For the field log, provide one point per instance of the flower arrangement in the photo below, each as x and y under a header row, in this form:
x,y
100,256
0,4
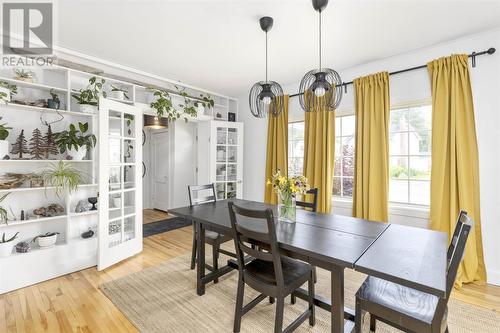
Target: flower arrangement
x,y
287,188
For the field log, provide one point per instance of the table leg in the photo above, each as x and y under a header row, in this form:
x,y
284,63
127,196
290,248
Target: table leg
x,y
200,260
337,294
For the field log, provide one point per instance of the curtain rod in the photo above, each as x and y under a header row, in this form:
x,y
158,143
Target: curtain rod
x,y
473,55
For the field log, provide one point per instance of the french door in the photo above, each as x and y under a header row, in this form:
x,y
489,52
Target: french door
x,y
120,182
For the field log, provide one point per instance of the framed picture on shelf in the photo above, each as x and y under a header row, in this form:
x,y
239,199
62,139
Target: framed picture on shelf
x,y
231,116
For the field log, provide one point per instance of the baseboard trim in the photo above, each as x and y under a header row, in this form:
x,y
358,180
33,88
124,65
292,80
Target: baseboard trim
x,y
493,277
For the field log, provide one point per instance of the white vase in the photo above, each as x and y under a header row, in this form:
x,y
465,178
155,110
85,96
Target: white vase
x,y
46,242
79,154
7,92
87,108
117,95
6,249
4,148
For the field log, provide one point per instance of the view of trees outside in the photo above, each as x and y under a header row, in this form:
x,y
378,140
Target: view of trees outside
x,y
343,172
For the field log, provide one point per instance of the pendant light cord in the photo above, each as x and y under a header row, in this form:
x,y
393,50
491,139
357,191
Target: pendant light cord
x,y
266,56
320,40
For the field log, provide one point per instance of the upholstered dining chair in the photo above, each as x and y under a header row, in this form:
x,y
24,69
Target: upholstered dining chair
x,y
213,238
270,273
408,309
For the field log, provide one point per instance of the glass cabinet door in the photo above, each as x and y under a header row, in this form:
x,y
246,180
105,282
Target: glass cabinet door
x,y
228,164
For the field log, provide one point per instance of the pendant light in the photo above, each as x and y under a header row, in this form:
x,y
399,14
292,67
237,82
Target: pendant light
x,y
321,82
264,97
155,122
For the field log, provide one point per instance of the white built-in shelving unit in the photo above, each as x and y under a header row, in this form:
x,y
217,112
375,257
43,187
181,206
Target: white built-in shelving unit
x,y
71,252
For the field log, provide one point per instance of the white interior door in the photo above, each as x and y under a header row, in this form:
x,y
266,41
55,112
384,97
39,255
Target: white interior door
x,y
120,182
160,170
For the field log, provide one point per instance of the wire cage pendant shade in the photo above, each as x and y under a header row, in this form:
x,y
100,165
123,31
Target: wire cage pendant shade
x,y
321,88
265,97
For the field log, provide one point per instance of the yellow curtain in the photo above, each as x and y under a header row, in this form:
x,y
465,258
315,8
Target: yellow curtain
x,y
371,179
277,149
319,149
455,164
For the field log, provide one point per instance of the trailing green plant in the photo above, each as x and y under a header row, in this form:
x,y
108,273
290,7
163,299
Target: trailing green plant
x,y
163,105
4,130
11,87
206,101
115,88
91,94
54,96
75,138
188,106
62,176
4,240
47,234
3,211
22,74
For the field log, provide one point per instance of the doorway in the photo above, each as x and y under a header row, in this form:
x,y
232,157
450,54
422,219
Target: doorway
x,y
160,170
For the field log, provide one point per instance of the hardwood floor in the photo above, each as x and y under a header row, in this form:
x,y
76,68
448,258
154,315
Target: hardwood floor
x,y
153,215
73,303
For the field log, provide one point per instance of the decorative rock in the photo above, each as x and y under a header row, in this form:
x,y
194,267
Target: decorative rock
x,y
22,247
54,210
88,234
40,211
82,206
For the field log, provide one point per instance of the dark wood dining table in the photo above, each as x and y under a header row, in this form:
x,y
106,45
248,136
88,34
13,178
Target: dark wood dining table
x,y
412,257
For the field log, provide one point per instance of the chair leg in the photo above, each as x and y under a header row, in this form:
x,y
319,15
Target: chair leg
x,y
239,304
271,300
293,299
373,323
215,258
278,321
446,329
358,320
193,251
312,317
315,274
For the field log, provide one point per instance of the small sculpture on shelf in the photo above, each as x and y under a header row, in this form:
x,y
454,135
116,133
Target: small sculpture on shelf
x,y
49,145
20,146
22,74
49,211
23,247
82,206
35,180
36,145
93,201
88,234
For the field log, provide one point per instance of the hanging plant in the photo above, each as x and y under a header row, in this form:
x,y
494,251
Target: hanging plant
x,y
91,94
188,107
163,105
6,91
206,101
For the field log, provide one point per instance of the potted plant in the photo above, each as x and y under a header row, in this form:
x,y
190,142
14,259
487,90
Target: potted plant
x,y
4,144
24,75
163,105
206,103
187,107
88,98
287,188
6,91
118,93
6,245
46,240
62,176
54,102
75,141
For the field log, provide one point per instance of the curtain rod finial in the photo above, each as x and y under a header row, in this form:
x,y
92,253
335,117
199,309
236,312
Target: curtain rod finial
x,y
491,50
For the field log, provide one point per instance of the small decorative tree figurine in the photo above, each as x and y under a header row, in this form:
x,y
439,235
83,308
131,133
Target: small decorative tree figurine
x,y
37,146
49,145
20,146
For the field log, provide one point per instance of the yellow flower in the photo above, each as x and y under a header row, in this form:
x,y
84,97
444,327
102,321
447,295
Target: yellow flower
x,y
268,182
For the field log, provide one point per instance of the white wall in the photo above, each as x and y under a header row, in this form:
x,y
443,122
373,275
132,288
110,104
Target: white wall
x,y
407,87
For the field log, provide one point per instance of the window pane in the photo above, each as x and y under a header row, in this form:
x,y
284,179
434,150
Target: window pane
x,y
348,166
298,131
348,125
337,167
295,166
347,186
398,144
398,191
348,146
336,186
338,121
420,192
420,118
420,143
337,146
399,167
399,120
420,167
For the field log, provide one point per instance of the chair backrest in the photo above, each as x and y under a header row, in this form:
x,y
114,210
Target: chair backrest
x,y
313,206
196,199
259,228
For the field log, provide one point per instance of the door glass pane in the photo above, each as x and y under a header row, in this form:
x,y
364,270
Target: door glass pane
x,y
129,202
220,188
129,228
232,172
128,149
129,176
115,205
220,172
231,154
221,154
231,190
221,135
129,125
232,138
114,150
115,232
114,178
115,126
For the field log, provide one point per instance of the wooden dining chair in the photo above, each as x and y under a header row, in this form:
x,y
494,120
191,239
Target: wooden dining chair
x,y
269,273
213,238
312,205
408,309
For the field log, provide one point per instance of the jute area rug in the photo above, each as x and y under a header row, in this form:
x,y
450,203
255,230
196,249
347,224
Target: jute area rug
x,y
163,299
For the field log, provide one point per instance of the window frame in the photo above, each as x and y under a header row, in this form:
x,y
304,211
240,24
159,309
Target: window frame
x,y
289,157
341,176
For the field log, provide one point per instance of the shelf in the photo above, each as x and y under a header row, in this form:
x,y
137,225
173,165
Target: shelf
x,y
42,109
36,249
12,161
32,84
90,212
33,220
30,189
126,101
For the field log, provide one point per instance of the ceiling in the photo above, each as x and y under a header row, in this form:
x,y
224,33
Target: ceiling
x,y
218,45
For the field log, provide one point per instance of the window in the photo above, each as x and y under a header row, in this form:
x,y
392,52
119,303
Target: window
x,y
295,148
410,155
343,172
